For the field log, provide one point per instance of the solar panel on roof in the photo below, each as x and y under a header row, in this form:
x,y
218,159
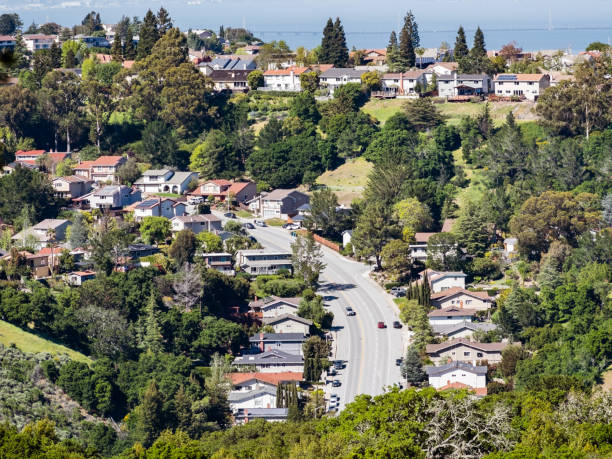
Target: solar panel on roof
x,y
148,203
506,77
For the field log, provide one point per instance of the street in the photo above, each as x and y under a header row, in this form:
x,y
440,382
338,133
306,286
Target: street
x,y
369,353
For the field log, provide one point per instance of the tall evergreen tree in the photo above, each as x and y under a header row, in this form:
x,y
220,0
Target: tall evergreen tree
x,y
152,336
407,56
327,43
461,49
392,51
412,368
129,50
164,21
413,29
117,49
150,419
148,35
479,49
341,54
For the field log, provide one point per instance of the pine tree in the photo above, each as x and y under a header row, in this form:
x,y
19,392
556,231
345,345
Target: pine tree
x,y
327,43
150,414
148,35
164,21
413,29
152,336
392,51
479,49
412,368
117,49
69,60
461,49
221,31
129,50
407,56
182,407
340,54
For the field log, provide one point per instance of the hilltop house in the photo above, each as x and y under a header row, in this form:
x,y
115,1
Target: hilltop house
x,y
443,280
165,181
290,343
458,375
463,84
336,77
457,296
233,80
280,203
254,380
112,197
71,186
288,323
196,223
104,168
220,189
221,262
37,158
34,42
263,397
83,169
272,361
465,350
404,83
274,306
77,278
528,85
450,316
284,79
48,231
262,261
159,207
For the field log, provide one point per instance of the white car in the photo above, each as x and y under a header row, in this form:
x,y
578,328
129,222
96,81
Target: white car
x,y
195,199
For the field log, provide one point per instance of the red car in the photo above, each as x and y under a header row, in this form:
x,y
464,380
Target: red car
x,y
381,325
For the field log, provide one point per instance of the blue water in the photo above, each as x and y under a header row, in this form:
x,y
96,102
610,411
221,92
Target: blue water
x,y
529,39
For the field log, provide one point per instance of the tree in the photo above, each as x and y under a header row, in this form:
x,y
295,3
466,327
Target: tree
x,y
472,230
128,172
324,216
372,80
159,144
183,247
309,81
396,257
152,336
315,358
412,368
412,216
375,228
210,242
150,418
606,204
311,307
99,106
304,107
26,188
461,49
340,50
91,23
255,79
392,52
148,35
164,21
443,252
188,287
478,49
409,41
129,50
307,259
79,232
155,229
423,114
117,48
215,157
69,60
9,23
510,52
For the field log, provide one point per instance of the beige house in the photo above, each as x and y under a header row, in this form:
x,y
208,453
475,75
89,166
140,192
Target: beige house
x,y
288,323
443,280
457,296
196,223
274,306
450,316
463,350
104,169
70,187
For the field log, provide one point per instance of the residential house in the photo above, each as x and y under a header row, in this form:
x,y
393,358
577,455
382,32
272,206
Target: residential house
x,y
375,56
458,375
53,255
290,343
450,316
404,83
557,77
263,397
34,42
37,263
464,350
104,168
528,85
112,197
243,191
443,280
336,77
48,231
249,381
77,278
441,69
37,158
284,79
280,203
457,296
91,41
221,262
196,223
139,250
463,329
274,306
10,167
7,42
347,236
272,361
464,84
220,189
288,323
242,416
165,181
418,249
71,186
83,169
262,261
510,246
233,80
159,207
231,62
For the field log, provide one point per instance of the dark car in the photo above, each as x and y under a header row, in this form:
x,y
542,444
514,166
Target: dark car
x,y
332,372
349,311
336,383
229,215
248,225
397,324
398,362
338,365
382,325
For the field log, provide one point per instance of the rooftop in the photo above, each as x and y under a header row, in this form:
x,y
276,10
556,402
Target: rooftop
x,y
270,378
475,326
486,347
269,300
288,71
107,161
455,290
456,365
271,337
336,72
452,312
270,357
279,194
282,317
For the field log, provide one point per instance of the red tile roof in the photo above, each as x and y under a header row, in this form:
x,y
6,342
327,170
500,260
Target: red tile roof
x,y
47,251
457,385
524,76
29,153
83,273
83,165
270,378
287,71
423,237
71,178
220,182
237,187
107,161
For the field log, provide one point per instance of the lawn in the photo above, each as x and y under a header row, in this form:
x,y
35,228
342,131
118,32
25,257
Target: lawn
x,y
168,195
244,214
28,342
348,180
275,222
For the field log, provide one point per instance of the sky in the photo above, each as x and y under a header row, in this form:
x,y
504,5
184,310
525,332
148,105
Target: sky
x,y
358,16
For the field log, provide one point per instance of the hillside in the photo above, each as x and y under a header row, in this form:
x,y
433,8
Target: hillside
x,y
348,180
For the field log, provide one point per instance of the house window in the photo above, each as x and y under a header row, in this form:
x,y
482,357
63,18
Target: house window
x,y
516,83
453,353
531,83
463,375
468,301
466,354
453,376
479,354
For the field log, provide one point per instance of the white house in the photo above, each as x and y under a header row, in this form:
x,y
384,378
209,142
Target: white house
x,y
336,77
510,246
196,223
404,83
449,316
463,329
284,79
262,261
458,375
528,85
34,42
274,306
78,277
71,186
288,323
464,84
279,203
7,42
242,416
112,197
457,296
165,181
159,207
264,397
443,280
272,361
441,69
347,236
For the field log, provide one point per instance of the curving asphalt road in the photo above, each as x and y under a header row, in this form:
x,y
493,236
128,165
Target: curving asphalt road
x,y
369,353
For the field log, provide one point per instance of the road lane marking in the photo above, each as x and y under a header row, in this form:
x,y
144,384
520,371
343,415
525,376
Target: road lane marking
x,y
362,344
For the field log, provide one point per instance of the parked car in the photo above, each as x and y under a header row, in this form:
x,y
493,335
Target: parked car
x,y
397,324
398,362
349,311
382,325
291,226
259,223
229,215
248,225
332,372
195,199
398,291
336,383
334,397
338,365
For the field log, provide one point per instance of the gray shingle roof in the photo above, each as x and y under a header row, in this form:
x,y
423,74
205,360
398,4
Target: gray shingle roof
x,y
475,326
271,337
239,396
341,72
273,320
269,357
439,370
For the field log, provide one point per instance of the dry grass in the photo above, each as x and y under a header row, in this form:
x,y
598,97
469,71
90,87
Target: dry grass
x,y
348,180
28,342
